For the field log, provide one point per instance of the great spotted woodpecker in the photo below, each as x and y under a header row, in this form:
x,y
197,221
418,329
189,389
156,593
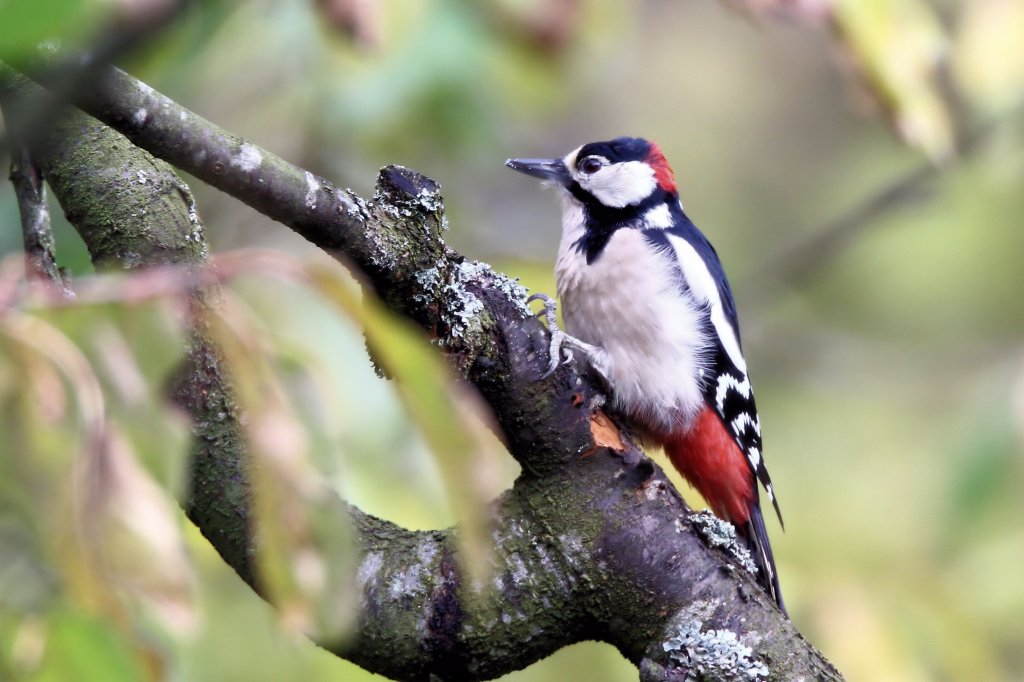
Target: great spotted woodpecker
x,y
645,299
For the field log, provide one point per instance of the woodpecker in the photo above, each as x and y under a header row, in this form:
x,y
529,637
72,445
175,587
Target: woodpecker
x,y
646,301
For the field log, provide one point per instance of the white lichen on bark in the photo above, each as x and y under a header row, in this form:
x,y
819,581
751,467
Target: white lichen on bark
x,y
713,655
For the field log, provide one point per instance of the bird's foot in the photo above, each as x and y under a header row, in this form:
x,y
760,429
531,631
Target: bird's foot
x,y
562,344
557,349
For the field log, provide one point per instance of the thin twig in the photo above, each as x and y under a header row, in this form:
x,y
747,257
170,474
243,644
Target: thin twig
x,y
40,250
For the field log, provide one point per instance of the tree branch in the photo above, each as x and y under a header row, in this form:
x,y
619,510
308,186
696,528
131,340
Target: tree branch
x,y
592,542
36,234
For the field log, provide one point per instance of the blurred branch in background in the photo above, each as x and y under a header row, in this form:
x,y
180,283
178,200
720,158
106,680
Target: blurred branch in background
x,y
794,265
898,51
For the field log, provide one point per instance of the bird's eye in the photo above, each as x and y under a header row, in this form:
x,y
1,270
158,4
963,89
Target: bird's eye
x,y
590,165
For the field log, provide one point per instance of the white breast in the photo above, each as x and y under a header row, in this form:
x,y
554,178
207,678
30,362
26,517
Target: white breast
x,y
628,303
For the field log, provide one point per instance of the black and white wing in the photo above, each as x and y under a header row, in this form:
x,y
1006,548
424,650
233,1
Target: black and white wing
x,y
726,386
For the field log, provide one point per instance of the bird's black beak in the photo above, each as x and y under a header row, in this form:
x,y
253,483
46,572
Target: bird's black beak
x,y
552,170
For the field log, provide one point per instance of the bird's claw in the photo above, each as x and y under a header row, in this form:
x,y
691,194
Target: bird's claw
x,y
550,307
557,348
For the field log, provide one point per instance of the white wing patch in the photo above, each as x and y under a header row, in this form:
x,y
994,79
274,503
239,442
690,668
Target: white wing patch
x,y
704,289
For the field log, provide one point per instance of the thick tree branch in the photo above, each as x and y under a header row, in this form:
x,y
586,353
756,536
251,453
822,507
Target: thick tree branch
x,y
591,543
94,179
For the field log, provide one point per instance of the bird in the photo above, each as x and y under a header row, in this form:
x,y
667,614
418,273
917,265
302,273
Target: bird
x,y
646,301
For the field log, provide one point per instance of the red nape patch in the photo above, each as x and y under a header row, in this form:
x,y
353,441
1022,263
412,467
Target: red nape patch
x,y
662,171
710,460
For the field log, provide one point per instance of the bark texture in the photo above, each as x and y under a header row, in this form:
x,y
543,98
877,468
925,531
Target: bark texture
x,y
592,541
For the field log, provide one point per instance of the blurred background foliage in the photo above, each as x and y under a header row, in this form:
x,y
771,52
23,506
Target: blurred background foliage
x,y
886,340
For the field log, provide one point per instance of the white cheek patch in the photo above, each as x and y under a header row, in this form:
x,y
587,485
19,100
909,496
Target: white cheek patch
x,y
620,184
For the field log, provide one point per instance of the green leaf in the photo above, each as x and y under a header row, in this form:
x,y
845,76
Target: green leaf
x,y
82,647
26,23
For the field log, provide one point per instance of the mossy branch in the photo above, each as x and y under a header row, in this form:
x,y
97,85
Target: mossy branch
x,y
592,541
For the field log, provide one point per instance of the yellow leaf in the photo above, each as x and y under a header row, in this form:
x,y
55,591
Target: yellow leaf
x,y
897,46
130,531
988,60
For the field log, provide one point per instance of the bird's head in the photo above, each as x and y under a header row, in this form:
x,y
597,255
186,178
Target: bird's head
x,y
626,171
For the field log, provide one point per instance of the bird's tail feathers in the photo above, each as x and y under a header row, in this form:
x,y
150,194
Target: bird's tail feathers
x,y
761,549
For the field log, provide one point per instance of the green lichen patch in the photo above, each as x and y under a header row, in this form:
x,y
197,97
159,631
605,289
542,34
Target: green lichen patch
x,y
483,275
428,281
462,310
457,288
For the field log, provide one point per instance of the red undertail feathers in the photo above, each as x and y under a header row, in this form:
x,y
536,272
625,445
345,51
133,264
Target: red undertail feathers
x,y
708,457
